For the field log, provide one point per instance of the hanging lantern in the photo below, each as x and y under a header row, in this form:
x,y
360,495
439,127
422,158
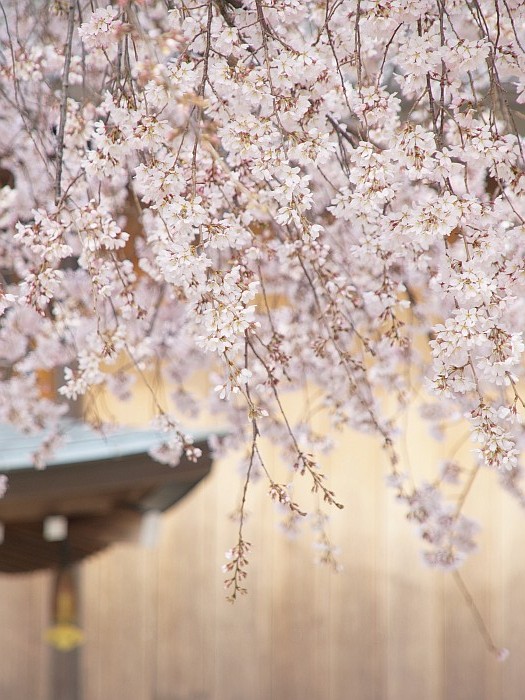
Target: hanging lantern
x,y
65,634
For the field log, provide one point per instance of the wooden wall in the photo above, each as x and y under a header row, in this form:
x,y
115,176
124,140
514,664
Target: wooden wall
x,y
158,627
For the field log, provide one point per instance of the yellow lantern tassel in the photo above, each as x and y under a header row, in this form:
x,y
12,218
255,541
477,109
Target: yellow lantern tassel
x,y
65,634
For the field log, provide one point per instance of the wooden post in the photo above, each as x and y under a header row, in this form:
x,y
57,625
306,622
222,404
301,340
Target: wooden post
x,y
65,675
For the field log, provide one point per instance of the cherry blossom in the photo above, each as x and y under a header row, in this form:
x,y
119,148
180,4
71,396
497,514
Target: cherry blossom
x,y
292,196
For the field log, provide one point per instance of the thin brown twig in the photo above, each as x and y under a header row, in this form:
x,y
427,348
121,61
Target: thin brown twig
x,y
63,99
478,619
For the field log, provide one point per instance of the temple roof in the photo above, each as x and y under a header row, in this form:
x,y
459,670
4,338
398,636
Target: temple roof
x,y
103,485
81,443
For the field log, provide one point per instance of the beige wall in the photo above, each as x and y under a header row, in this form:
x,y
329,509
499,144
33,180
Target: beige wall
x,y
386,628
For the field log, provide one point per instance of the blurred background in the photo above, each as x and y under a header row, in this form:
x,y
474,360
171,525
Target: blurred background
x,y
156,626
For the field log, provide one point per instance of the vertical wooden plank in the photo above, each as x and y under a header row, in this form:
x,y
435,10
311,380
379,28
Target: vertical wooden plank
x,y
186,600
24,615
413,601
412,616
358,631
494,580
464,649
288,591
470,667
297,624
120,628
242,651
512,671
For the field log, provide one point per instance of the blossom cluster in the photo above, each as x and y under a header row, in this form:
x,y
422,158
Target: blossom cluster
x,y
289,195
